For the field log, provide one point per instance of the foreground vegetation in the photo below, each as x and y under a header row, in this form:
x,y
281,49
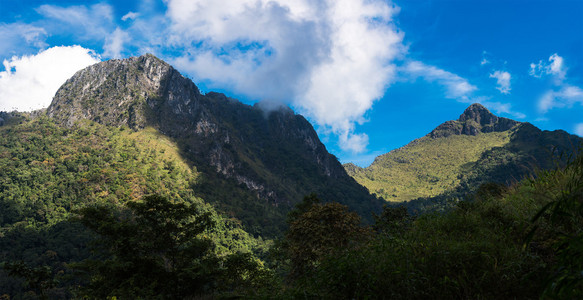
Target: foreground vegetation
x,y
136,229
520,242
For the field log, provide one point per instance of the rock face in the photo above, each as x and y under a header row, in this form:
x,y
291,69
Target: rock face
x,y
123,92
476,119
276,156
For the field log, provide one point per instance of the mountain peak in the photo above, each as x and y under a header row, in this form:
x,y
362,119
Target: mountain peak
x,y
478,113
474,120
129,91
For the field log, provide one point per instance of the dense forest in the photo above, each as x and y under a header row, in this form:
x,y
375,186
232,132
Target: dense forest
x,y
100,212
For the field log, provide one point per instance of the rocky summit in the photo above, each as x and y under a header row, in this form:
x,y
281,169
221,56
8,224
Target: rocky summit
x,y
476,119
251,156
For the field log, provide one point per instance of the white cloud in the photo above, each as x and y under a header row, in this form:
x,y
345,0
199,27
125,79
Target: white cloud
x,y
502,80
130,16
484,61
456,87
18,37
562,94
114,44
30,82
94,22
555,67
329,59
566,96
355,143
506,108
579,129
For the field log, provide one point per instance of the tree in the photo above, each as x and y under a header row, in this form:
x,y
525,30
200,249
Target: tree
x,y
321,230
154,249
392,220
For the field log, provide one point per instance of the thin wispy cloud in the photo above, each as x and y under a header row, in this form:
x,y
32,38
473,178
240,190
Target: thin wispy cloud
x,y
456,87
130,16
562,94
86,22
579,129
565,96
114,43
19,37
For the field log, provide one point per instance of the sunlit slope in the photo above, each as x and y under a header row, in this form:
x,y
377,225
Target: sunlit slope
x,y
459,155
426,167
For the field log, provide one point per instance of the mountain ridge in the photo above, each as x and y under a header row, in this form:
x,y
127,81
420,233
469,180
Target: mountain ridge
x,y
474,120
275,155
457,156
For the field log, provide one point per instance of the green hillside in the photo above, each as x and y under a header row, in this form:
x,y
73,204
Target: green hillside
x,y
254,163
519,242
48,172
458,156
426,167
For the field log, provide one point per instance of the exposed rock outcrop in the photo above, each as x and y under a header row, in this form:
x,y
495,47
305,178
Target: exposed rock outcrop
x,y
268,149
476,119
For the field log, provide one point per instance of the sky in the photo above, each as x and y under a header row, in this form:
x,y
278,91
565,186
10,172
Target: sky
x,y
370,75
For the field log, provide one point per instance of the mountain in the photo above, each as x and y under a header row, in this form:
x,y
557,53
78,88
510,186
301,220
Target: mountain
x,y
255,163
459,155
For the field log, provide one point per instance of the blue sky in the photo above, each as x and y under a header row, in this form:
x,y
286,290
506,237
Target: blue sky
x,y
371,75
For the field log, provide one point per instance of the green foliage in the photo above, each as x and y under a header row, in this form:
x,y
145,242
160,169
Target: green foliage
x,y
46,171
159,249
475,251
426,167
560,225
318,230
433,174
393,220
39,279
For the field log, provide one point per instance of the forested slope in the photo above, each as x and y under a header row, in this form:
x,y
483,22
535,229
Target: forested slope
x,y
47,172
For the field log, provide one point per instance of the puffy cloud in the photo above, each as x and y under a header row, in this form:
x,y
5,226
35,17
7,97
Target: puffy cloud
x,y
355,143
30,82
579,129
456,87
329,59
555,67
567,96
502,80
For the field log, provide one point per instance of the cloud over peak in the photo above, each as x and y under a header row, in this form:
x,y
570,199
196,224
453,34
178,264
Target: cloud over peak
x,y
329,59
